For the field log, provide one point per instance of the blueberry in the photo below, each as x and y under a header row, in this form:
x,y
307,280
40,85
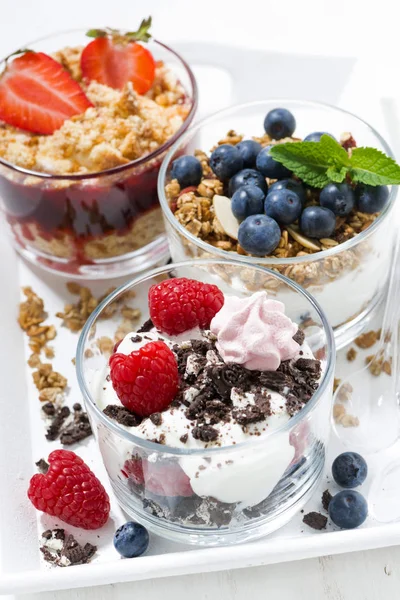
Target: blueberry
x,y
348,509
246,201
349,470
284,206
225,161
279,123
371,199
187,170
259,235
270,167
131,539
290,184
248,151
247,177
338,197
317,222
316,136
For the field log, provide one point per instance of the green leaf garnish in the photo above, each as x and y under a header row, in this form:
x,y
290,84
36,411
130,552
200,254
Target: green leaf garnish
x,y
141,35
318,163
373,167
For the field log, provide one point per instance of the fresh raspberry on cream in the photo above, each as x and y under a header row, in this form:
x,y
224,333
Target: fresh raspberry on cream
x,y
254,332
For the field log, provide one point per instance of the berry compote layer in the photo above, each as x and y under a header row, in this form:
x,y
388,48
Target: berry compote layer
x,y
95,145
207,373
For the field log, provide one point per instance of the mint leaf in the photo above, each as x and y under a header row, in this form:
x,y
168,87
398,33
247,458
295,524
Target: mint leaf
x,y
310,161
337,174
142,34
373,167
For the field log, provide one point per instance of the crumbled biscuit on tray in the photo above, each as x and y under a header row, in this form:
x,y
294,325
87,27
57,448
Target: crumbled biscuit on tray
x,y
351,354
45,378
63,550
75,315
367,339
31,317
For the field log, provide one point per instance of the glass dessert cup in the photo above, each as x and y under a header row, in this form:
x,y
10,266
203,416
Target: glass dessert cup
x,y
91,225
243,491
348,279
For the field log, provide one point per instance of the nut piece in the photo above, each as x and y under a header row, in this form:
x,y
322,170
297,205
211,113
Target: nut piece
x,y
225,216
351,354
367,339
302,239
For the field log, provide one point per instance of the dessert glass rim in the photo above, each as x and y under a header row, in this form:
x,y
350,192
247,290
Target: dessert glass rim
x,y
153,446
270,260
133,163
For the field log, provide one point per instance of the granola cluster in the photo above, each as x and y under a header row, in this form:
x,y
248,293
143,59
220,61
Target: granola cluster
x,y
121,126
194,210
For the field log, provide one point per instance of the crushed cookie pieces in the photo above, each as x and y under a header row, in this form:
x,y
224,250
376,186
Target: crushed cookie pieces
x,y
351,354
325,500
367,339
315,520
63,550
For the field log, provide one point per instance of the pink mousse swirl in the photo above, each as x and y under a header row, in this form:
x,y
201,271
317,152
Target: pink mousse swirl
x,y
254,332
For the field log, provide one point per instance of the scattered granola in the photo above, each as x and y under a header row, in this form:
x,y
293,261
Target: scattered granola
x,y
377,363
341,417
351,354
345,392
336,383
105,344
45,378
31,317
367,339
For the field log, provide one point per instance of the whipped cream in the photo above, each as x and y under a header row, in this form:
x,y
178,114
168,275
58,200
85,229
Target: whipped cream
x,y
246,476
254,332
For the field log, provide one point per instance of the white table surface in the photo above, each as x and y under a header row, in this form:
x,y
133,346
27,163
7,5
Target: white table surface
x,y
359,29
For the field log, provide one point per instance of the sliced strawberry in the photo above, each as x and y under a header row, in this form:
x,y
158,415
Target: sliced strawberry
x,y
37,94
115,63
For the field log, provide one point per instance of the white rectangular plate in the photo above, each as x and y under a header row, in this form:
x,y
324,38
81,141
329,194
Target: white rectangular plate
x,y
22,439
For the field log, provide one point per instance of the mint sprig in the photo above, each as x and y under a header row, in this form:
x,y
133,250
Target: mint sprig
x,y
319,163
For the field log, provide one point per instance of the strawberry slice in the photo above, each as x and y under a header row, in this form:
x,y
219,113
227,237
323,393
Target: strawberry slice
x,y
37,94
114,59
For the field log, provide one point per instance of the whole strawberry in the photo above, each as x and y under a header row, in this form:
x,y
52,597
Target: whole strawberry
x,y
70,491
146,380
179,304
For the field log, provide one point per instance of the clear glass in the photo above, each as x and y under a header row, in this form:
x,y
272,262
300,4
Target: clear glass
x,y
94,225
347,280
253,488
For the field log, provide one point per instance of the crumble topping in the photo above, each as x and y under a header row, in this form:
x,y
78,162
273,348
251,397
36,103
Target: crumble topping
x,y
121,126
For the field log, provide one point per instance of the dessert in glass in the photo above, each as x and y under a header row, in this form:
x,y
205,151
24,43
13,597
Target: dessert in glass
x,y
211,206
212,418
84,126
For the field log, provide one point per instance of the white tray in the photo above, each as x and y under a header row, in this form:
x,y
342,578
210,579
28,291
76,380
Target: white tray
x,y
22,439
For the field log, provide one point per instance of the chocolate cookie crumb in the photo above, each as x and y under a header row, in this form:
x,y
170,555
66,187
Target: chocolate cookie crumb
x,y
205,433
78,430
122,415
156,418
53,431
308,364
42,466
184,438
299,337
135,339
147,326
63,550
315,520
326,498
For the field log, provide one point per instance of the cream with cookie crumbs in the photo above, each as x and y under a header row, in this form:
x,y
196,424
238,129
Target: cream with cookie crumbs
x,y
243,375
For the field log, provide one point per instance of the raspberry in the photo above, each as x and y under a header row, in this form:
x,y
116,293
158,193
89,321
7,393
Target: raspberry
x,y
133,470
166,479
177,305
70,491
146,380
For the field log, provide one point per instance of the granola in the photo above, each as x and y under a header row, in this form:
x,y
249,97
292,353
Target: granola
x,y
30,318
120,127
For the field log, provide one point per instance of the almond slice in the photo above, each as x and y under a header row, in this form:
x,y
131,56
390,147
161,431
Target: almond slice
x,y
224,214
302,239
